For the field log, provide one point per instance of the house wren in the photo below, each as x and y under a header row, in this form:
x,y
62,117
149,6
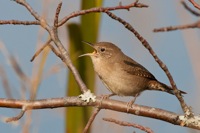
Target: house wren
x,y
122,75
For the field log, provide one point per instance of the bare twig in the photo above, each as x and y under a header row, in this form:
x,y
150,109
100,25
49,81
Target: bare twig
x,y
57,14
122,123
16,118
195,4
100,9
92,117
114,105
189,9
47,44
180,27
157,59
41,49
17,22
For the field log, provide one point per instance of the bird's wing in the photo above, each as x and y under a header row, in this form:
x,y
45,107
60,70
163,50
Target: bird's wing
x,y
135,68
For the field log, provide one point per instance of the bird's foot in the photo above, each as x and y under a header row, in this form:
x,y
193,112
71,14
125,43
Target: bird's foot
x,y
129,104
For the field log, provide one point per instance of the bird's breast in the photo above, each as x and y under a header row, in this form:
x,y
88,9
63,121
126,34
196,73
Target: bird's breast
x,y
117,80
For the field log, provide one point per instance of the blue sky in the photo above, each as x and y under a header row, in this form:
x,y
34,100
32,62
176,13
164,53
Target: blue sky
x,y
171,47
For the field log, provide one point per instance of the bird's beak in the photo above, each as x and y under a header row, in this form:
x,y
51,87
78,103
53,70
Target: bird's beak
x,y
89,54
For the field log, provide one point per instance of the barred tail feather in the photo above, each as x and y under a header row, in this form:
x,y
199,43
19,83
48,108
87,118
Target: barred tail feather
x,y
156,85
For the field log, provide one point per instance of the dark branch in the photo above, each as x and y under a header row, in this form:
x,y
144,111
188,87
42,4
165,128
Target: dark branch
x,y
17,22
57,14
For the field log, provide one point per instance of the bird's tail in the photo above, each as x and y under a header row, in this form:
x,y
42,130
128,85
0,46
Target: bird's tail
x,y
156,85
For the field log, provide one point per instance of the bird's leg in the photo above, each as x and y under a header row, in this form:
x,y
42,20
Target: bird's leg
x,y
129,104
105,97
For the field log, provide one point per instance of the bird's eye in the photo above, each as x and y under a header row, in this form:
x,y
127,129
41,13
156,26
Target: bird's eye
x,y
102,49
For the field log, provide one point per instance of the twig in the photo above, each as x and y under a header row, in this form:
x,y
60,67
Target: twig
x,y
101,9
41,49
180,27
189,9
122,123
195,4
17,22
161,64
57,14
92,117
16,118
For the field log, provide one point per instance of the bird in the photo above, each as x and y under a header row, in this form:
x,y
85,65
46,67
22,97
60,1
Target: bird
x,y
122,75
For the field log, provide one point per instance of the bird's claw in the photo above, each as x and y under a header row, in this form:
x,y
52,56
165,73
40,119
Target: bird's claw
x,y
129,104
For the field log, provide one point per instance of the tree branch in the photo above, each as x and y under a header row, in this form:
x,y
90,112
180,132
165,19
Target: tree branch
x,y
115,105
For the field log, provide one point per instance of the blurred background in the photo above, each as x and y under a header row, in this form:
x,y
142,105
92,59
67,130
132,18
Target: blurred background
x,y
48,77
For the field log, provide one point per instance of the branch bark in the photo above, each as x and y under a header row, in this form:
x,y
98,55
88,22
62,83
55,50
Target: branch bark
x,y
115,105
